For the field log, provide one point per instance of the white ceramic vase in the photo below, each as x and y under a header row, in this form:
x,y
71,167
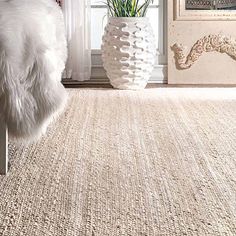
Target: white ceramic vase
x,y
128,52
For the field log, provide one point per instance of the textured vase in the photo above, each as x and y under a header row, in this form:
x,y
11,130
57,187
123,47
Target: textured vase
x,y
128,52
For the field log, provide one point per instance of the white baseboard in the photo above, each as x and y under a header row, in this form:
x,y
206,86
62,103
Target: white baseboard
x,y
159,76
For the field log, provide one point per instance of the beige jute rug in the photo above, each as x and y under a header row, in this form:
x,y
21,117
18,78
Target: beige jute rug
x,y
159,162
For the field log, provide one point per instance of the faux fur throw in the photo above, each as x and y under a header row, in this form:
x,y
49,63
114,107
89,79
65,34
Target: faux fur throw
x,y
32,58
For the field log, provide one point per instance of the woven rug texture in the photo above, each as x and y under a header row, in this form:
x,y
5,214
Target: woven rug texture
x,y
158,162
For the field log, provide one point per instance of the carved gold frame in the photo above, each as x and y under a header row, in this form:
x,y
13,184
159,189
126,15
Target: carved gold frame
x,y
181,14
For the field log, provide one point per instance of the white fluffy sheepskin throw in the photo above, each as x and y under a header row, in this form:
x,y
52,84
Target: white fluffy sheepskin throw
x,y
32,57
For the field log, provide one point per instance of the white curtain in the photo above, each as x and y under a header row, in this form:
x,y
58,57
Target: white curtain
x,y
77,21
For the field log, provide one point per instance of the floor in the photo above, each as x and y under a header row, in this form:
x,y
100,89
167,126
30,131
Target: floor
x,y
158,162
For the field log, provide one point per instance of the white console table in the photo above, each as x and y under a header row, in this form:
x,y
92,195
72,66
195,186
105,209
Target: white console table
x,y
3,149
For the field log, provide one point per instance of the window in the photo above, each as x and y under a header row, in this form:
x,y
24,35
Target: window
x,y
158,18
99,20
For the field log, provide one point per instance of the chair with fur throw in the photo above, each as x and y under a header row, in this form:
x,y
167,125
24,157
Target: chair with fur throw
x,y
32,57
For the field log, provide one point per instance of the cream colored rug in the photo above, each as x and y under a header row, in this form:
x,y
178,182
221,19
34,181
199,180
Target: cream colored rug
x,y
122,163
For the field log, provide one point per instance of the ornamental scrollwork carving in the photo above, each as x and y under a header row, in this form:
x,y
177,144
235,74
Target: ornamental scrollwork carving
x,y
210,43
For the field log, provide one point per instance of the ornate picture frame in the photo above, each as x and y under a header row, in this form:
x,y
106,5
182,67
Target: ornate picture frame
x,y
182,14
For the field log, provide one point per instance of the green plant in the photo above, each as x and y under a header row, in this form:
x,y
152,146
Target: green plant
x,y
128,8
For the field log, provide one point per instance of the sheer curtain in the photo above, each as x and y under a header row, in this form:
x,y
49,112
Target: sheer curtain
x,y
77,21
